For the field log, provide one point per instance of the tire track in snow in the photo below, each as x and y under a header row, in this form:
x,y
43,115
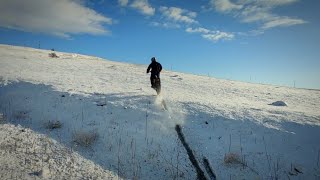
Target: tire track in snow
x,y
200,173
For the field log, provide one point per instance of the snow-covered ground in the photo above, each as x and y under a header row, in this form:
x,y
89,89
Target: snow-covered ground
x,y
133,133
26,155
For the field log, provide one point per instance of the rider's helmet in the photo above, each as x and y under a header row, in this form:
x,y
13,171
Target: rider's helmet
x,y
153,59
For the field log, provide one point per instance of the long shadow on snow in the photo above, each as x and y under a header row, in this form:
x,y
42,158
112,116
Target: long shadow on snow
x,y
130,141
273,153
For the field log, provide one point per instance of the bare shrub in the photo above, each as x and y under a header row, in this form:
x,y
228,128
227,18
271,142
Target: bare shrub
x,y
232,158
53,55
85,139
235,159
53,125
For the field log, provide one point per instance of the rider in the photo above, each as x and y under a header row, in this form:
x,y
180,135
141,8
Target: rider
x,y
155,71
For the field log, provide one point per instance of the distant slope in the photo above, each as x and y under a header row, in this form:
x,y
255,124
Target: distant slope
x,y
82,74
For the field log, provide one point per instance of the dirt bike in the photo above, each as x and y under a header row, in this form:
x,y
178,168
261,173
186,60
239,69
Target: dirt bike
x,y
157,85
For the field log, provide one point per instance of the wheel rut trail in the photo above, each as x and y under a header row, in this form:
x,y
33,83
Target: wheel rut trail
x,y
208,168
192,158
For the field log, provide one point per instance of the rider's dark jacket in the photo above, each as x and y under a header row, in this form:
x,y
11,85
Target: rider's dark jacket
x,y
155,68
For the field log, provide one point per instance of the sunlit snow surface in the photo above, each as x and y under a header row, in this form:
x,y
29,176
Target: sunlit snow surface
x,y
136,135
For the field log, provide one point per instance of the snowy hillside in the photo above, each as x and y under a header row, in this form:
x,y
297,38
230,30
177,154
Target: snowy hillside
x,y
105,114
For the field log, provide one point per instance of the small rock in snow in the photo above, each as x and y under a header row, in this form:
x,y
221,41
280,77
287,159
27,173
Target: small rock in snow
x,y
278,103
101,103
298,170
36,173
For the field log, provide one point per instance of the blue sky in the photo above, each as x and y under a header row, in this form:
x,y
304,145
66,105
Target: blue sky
x,y
264,41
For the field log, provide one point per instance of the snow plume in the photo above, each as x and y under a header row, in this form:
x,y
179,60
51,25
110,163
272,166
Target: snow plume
x,y
60,18
252,11
173,116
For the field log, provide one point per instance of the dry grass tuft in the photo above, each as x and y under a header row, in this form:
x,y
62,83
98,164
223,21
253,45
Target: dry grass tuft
x,y
85,139
53,55
232,158
53,125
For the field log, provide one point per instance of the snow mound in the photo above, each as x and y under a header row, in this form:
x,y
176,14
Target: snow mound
x,y
28,155
278,103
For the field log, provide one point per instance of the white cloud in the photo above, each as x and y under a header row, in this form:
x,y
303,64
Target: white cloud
x,y
224,5
198,30
192,14
211,35
255,14
249,11
178,14
217,35
167,25
60,18
284,21
144,7
123,2
270,3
